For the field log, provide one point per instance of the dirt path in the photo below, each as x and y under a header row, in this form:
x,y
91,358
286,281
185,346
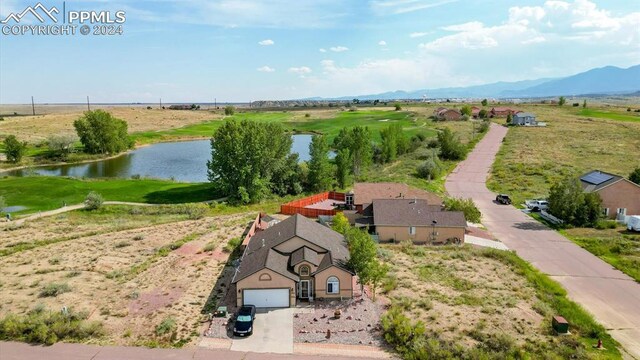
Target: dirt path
x,y
610,295
72,208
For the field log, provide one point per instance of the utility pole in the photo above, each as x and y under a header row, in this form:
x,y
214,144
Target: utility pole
x,y
160,103
88,107
33,106
215,103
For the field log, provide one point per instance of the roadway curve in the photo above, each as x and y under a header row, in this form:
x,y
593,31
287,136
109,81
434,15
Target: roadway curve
x,y
610,295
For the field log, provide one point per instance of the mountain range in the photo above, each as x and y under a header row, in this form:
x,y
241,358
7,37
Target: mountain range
x,y
605,80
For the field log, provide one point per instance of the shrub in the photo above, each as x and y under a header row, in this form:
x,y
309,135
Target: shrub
x,y
232,245
193,211
48,327
450,146
54,289
93,201
307,115
467,206
397,107
430,169
484,126
605,224
14,149
229,110
167,326
399,331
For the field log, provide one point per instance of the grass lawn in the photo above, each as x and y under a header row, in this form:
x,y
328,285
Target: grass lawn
x,y
618,247
532,159
609,114
47,193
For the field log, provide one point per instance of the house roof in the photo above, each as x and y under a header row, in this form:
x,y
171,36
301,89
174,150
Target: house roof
x,y
305,254
364,193
501,109
410,212
595,180
524,114
260,253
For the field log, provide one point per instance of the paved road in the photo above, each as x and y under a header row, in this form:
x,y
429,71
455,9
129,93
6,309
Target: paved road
x,y
611,296
61,351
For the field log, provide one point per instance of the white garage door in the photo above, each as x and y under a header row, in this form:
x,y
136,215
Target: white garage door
x,y
266,297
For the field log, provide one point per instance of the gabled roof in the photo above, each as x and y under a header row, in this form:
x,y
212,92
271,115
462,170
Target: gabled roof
x,y
304,254
523,114
410,212
595,180
260,253
364,193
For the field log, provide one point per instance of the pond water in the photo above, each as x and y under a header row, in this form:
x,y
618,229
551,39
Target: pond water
x,y
181,161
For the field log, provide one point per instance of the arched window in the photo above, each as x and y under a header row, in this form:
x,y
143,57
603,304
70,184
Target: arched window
x,y
264,277
304,270
333,285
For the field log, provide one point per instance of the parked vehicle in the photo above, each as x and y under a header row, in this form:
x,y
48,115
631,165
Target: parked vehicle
x,y
244,321
633,223
537,205
503,199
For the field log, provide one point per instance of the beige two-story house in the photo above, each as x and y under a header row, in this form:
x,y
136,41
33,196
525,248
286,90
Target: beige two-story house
x,y
294,260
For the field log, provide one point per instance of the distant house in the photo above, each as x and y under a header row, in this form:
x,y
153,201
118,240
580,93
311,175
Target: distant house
x,y
449,114
524,119
397,220
295,259
619,196
475,112
501,112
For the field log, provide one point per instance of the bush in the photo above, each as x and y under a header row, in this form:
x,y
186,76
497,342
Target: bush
x,y
232,245
14,149
53,290
467,206
229,110
167,326
606,224
430,169
193,211
450,146
41,326
93,201
484,126
397,107
399,331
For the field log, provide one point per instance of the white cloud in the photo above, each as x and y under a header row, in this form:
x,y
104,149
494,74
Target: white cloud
x,y
266,69
382,43
302,70
266,42
469,26
384,7
534,40
323,50
419,34
338,48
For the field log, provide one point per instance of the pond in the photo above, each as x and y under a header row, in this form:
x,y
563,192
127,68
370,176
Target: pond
x,y
182,161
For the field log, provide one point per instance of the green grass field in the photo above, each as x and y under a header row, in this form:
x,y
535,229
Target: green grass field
x,y
613,115
40,193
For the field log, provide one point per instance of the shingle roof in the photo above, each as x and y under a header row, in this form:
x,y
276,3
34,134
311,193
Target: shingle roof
x,y
589,186
524,114
304,254
259,253
409,212
364,193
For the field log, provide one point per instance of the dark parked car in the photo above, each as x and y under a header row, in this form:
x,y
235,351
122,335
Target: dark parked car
x,y
244,321
503,199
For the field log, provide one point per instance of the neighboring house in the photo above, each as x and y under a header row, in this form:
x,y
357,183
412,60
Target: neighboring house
x,y
475,112
501,112
524,119
364,193
449,115
619,196
295,259
396,220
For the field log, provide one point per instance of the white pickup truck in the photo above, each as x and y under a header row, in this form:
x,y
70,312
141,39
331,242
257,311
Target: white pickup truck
x,y
633,223
537,205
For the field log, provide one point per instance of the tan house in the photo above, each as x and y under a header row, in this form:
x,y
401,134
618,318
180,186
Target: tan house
x,y
397,220
619,196
449,115
363,194
295,259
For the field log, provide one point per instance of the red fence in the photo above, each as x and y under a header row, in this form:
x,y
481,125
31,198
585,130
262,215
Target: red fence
x,y
252,230
300,206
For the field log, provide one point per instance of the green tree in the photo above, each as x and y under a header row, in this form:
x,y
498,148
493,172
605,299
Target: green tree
x,y
376,273
509,118
287,176
14,149
584,104
482,114
362,251
635,176
343,168
450,146
61,145
590,210
561,100
397,106
101,133
340,223
484,102
466,110
570,203
394,142
358,140
320,169
229,110
467,206
246,157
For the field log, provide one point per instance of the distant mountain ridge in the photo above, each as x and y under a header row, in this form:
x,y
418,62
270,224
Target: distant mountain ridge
x,y
605,80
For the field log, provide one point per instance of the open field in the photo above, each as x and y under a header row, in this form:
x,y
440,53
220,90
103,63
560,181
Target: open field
x,y
617,246
531,160
128,269
488,301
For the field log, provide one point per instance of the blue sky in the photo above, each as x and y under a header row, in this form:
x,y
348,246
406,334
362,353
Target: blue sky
x,y
242,50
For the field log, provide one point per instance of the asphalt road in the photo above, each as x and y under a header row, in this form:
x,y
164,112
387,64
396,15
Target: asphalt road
x,y
610,295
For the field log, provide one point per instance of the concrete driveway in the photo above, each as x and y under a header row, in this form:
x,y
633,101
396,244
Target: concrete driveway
x,y
272,333
610,295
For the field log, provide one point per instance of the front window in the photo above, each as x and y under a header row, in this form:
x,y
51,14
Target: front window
x,y
605,211
304,270
412,230
333,285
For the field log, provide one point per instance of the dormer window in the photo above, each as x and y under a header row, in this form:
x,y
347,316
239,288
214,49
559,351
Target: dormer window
x,y
304,270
